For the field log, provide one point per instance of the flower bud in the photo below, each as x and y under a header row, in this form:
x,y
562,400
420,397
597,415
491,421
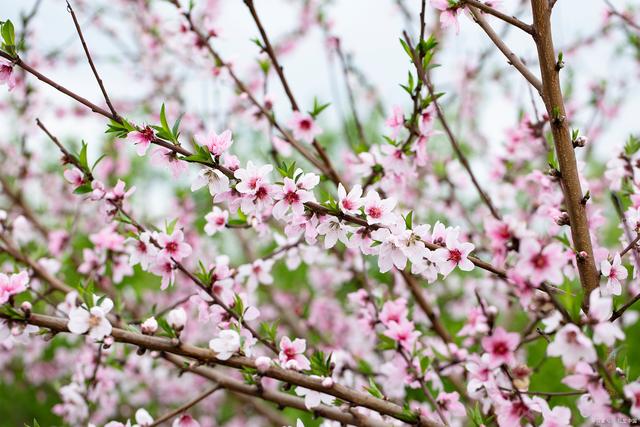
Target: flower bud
x,y
177,318
580,141
149,326
327,382
108,342
26,308
262,364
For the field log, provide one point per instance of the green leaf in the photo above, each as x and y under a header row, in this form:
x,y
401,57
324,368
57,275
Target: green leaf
x,y
320,364
408,220
373,389
406,48
82,157
171,226
164,325
163,119
386,343
8,34
83,189
269,330
120,130
238,306
318,108
632,146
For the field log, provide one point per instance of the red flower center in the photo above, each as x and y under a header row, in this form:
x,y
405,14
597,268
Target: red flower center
x,y
455,255
374,212
500,348
172,247
262,193
305,124
539,261
291,197
290,352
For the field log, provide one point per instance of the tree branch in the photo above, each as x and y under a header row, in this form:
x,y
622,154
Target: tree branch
x,y
569,176
91,64
512,58
506,18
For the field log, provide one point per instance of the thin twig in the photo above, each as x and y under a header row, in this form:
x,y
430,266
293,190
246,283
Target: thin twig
x,y
506,18
170,415
91,64
512,58
452,139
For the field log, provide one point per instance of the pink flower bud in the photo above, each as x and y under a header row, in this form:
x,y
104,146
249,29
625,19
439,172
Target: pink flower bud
x,y
26,307
262,364
327,382
108,342
149,326
177,318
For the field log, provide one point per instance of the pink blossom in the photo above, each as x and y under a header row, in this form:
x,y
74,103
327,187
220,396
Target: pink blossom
x,y
377,210
142,139
455,254
541,264
632,392
141,250
404,333
252,177
304,127
290,196
173,245
292,354
216,181
257,272
185,420
163,267
350,203
600,310
74,176
394,311
12,285
572,346
559,416
333,230
614,272
216,144
7,75
216,221
450,405
395,122
501,346
169,159
449,13
108,239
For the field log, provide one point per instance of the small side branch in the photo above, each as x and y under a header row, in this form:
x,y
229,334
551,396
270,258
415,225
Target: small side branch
x,y
506,18
91,64
508,53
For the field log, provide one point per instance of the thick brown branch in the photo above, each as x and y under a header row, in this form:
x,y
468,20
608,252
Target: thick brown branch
x,y
207,356
569,176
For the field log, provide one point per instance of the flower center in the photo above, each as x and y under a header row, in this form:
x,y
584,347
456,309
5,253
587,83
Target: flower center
x,y
94,321
500,348
291,197
172,247
374,212
305,124
454,255
262,193
540,261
